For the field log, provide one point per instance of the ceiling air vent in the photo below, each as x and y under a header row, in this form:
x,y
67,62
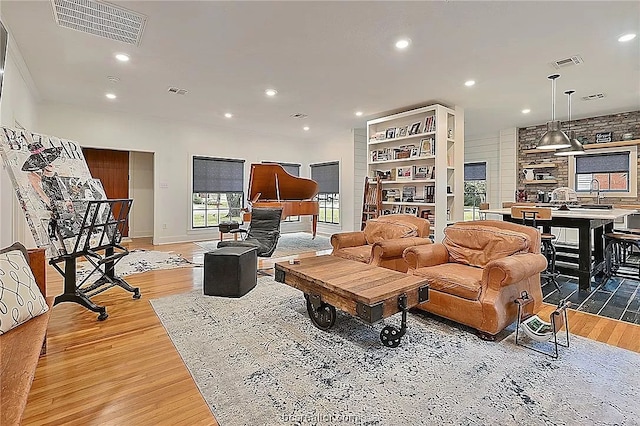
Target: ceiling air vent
x,y
299,115
567,62
593,97
177,91
100,19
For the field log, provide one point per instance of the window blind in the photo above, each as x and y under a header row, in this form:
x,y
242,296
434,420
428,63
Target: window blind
x,y
217,175
328,177
603,163
291,168
475,171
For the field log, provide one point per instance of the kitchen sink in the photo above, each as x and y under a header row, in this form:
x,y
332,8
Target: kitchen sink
x,y
596,206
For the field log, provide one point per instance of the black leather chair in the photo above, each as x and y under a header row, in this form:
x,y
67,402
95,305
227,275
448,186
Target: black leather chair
x,y
263,232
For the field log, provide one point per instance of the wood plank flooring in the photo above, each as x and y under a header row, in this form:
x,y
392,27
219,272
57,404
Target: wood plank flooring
x,y
126,371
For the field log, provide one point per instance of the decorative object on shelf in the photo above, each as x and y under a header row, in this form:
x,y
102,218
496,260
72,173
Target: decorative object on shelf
x,y
404,173
414,129
391,133
412,210
603,137
554,138
427,147
402,132
576,147
564,195
415,152
528,174
521,195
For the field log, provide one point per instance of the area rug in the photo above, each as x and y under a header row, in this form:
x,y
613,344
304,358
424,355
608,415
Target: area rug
x,y
138,261
288,244
259,360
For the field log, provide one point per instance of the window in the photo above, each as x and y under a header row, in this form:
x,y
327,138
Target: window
x,y
328,177
475,189
292,169
611,170
218,191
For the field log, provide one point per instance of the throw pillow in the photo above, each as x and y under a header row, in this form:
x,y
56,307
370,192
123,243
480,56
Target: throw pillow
x,y
478,245
20,297
382,229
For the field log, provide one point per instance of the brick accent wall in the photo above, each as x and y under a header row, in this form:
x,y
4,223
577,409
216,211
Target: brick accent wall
x,y
619,124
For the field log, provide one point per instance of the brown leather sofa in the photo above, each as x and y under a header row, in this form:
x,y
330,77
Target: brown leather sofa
x,y
478,271
383,240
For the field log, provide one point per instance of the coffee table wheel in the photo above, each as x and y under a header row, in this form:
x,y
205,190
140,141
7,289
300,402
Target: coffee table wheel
x,y
323,317
390,336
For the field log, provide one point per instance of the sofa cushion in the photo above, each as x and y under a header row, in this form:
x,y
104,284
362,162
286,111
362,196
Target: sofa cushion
x,y
20,297
359,254
479,245
453,278
381,229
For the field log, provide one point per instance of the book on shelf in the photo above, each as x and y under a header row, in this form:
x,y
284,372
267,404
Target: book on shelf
x,y
429,193
408,193
430,124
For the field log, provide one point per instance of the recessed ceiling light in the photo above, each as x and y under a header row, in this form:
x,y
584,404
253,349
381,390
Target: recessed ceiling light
x,y
627,37
228,114
469,83
122,57
359,113
305,128
110,96
403,43
271,92
526,111
113,78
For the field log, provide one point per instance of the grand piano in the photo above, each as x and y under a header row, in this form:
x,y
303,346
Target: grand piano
x,y
271,186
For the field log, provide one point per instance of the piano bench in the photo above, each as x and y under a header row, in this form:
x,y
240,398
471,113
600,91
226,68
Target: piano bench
x,y
227,227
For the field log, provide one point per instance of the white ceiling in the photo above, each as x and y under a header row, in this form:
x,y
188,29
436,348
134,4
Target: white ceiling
x,y
330,59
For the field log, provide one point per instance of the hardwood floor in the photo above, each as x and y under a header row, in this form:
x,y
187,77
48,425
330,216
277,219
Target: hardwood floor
x,y
126,371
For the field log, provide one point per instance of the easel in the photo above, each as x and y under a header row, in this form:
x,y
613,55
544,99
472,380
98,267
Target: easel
x,y
98,241
525,307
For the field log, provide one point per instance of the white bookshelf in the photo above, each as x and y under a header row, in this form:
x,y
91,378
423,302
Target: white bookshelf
x,y
400,158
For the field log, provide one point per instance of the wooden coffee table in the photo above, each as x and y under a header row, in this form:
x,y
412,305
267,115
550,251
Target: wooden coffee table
x,y
370,293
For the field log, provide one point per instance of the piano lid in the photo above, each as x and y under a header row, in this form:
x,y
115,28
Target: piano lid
x,y
265,177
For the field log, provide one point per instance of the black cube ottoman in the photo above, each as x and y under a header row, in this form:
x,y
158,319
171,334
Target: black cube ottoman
x,y
230,271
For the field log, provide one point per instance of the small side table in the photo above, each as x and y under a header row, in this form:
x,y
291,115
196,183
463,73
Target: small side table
x,y
230,271
227,227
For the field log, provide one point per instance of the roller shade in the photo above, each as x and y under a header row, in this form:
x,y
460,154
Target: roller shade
x,y
603,163
291,168
328,177
475,171
217,175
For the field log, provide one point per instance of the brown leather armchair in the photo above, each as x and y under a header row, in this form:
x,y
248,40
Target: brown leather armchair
x,y
383,240
478,271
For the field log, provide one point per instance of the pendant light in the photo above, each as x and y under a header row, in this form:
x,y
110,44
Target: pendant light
x,y
576,147
554,138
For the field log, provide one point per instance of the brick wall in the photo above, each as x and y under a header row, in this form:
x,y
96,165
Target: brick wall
x,y
619,124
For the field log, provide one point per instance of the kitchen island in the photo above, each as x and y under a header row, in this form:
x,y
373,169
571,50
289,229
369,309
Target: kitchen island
x,y
592,224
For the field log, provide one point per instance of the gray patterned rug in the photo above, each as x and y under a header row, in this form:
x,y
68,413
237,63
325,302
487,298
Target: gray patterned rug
x,y
259,360
138,261
288,244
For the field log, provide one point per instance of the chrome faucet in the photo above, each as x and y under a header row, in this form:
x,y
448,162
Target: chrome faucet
x,y
596,188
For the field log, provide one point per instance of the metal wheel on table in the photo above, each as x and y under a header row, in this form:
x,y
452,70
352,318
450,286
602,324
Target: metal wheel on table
x,y
390,336
322,316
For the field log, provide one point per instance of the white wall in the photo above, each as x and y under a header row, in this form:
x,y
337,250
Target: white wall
x,y
173,145
499,151
18,104
359,172
141,190
339,148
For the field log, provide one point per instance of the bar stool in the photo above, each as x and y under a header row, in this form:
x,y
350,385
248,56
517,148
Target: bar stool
x,y
531,216
616,246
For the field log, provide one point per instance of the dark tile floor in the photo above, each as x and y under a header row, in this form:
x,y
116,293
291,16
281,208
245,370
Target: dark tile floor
x,y
618,297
